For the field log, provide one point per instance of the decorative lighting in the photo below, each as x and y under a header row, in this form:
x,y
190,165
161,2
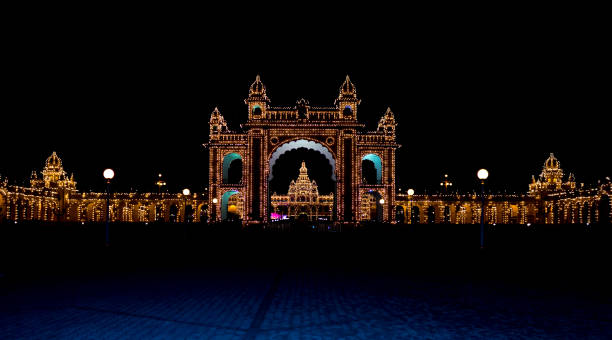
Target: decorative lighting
x,y
382,201
215,200
483,174
109,174
410,192
186,192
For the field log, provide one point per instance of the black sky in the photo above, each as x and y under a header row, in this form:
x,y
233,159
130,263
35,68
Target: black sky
x,y
138,99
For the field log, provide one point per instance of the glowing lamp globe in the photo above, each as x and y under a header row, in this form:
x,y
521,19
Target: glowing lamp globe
x,y
410,192
109,174
232,209
483,174
186,192
382,201
215,201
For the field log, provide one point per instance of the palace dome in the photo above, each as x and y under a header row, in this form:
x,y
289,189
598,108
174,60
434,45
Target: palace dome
x,y
53,162
552,162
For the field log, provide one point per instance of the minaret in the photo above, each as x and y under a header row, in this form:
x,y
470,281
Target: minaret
x,y
347,101
257,101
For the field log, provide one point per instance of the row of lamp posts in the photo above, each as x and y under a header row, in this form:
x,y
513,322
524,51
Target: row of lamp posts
x,y
482,174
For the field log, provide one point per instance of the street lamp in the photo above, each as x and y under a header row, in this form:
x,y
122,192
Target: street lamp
x,y
482,174
214,209
186,193
410,193
160,183
108,175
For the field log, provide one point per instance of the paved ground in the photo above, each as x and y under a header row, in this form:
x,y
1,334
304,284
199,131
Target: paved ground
x,y
245,303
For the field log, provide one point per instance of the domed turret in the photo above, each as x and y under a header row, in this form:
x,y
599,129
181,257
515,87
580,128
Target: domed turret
x,y
53,175
53,162
257,100
552,162
347,101
257,88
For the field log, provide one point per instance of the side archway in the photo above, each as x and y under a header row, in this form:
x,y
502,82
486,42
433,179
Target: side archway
x,y
225,203
232,168
368,161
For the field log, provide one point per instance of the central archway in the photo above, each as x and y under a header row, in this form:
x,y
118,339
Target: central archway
x,y
324,153
302,143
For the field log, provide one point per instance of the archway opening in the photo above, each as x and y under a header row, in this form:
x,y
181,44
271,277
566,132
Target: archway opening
x,y
231,206
371,207
256,110
415,217
399,214
232,168
302,181
371,166
348,111
173,213
431,214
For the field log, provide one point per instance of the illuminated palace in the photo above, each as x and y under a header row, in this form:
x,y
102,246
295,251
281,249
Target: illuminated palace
x,y
549,200
54,197
302,199
362,171
272,131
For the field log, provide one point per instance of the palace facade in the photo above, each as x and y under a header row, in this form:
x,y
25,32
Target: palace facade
x,y
54,197
302,199
362,170
551,199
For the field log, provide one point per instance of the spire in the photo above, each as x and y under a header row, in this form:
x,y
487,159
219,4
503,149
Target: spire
x,y
387,122
303,169
347,89
217,122
258,89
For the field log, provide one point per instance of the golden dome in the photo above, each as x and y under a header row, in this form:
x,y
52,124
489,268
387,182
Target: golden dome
x,y
552,162
53,162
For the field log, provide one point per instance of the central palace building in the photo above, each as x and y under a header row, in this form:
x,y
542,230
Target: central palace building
x,y
363,173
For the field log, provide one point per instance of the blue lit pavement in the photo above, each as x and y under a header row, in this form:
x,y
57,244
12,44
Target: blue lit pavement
x,y
248,303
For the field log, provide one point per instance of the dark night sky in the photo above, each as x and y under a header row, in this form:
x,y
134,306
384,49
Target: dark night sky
x,y
139,100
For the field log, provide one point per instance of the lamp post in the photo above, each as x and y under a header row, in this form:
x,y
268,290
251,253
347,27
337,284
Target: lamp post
x,y
108,175
160,183
410,193
214,209
482,174
186,193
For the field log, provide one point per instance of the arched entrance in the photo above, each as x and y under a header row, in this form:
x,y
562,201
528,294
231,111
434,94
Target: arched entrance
x,y
372,206
270,131
232,168
231,206
304,204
